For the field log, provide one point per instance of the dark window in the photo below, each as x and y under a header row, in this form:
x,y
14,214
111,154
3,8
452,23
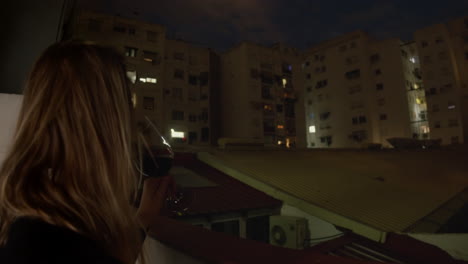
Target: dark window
x,y
269,126
435,108
362,119
374,58
466,55
131,52
379,86
355,120
424,44
279,108
119,28
192,118
309,88
177,115
322,58
454,140
358,136
204,115
204,78
131,31
151,36
266,93
383,117
354,74
287,68
327,140
254,73
308,76
437,124
192,137
148,103
342,48
94,25
432,91
321,84
307,63
381,101
453,123
353,45
193,80
324,116
439,40
427,59
404,54
229,227
378,72
179,74
324,68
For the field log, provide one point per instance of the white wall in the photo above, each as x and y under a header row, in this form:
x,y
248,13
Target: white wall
x,y
320,230
9,109
454,244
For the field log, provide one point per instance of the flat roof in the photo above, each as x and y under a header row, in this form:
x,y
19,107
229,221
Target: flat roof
x,y
387,190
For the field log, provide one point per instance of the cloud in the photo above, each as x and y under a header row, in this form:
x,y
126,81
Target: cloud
x,y
374,12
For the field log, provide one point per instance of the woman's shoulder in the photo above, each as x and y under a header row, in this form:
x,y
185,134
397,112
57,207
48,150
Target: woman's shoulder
x,y
31,240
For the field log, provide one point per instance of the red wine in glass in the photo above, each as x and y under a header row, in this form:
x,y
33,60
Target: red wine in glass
x,y
155,158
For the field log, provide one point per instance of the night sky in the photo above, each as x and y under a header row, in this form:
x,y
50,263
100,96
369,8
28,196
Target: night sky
x,y
222,23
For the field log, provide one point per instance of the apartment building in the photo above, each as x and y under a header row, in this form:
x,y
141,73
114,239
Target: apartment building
x,y
141,43
357,92
443,49
171,78
261,94
189,92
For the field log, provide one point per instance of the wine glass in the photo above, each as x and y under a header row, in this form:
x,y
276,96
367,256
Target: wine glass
x,y
155,158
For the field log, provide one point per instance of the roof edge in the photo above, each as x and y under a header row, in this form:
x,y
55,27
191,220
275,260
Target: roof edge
x,y
332,217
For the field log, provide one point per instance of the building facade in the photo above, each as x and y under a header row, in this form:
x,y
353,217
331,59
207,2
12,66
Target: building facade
x,y
357,92
188,91
443,49
171,78
261,94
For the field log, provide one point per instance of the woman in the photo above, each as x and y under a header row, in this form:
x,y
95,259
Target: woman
x,y
67,184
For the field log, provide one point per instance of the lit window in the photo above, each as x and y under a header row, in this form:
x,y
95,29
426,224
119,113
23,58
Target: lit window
x,y
311,129
284,82
416,86
413,59
151,80
280,126
131,76
280,142
143,80
177,134
451,106
419,101
130,52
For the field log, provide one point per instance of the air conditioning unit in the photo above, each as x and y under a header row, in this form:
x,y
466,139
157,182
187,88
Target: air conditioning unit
x,y
288,231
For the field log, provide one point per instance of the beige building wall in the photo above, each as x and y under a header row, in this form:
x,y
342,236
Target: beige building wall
x,y
260,92
143,46
443,51
187,91
355,92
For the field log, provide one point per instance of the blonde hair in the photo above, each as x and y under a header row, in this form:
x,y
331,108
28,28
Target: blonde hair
x,y
71,160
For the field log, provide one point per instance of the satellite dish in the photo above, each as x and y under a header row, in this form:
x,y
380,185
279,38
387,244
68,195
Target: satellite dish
x,y
279,235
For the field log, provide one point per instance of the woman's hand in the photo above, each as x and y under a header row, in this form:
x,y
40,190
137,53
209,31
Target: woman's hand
x,y
153,199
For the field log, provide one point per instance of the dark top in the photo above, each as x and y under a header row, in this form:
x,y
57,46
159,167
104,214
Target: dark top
x,y
34,241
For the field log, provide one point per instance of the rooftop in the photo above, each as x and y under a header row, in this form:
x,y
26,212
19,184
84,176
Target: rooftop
x,y
367,192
